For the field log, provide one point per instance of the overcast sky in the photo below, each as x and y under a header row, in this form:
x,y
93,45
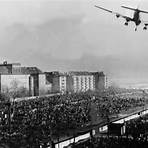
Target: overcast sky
x,y
74,35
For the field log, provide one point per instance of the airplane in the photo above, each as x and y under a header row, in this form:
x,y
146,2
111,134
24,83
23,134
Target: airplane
x,y
136,16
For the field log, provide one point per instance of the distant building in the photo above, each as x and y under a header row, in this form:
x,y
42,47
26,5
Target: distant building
x,y
44,84
84,81
36,82
13,75
77,81
58,81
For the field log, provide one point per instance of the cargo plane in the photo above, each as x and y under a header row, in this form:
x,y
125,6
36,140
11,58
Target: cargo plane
x,y
136,16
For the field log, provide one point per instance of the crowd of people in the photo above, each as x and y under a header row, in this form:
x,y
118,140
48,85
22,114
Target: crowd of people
x,y
113,105
43,118
135,136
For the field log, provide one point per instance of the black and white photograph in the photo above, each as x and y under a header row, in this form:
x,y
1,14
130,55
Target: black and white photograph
x,y
73,74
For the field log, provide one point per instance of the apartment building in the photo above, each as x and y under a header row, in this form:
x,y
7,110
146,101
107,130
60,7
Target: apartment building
x,y
77,81
37,82
58,81
83,81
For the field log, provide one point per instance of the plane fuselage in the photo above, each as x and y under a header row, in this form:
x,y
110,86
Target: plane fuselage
x,y
136,17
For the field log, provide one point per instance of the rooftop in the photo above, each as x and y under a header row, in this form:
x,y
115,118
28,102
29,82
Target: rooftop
x,y
78,73
15,68
26,70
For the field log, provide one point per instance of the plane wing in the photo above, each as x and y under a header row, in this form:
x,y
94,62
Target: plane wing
x,y
129,8
104,9
143,11
117,14
134,9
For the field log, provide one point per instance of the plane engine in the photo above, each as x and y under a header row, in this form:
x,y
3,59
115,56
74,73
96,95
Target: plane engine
x,y
126,23
117,15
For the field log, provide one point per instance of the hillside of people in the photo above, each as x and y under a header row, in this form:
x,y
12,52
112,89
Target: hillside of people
x,y
39,121
136,136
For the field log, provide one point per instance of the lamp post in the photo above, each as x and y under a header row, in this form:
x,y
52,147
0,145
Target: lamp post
x,y
8,104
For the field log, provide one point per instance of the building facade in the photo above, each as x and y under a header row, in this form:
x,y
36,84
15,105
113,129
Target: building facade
x,y
13,77
58,81
77,81
44,84
83,81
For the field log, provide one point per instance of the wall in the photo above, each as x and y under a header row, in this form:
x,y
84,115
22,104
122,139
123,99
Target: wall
x,y
69,84
34,84
101,84
55,84
9,80
44,85
10,83
99,81
72,140
15,85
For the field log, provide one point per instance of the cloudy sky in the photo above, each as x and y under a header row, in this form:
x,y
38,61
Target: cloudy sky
x,y
74,35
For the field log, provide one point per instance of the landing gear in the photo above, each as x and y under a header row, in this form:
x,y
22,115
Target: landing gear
x,y
144,28
126,23
117,15
136,29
